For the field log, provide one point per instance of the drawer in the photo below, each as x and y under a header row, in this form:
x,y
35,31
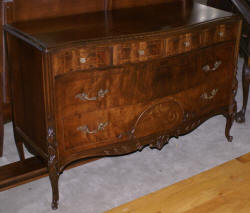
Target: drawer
x,y
131,52
218,33
184,42
143,82
215,64
81,59
211,64
102,127
206,98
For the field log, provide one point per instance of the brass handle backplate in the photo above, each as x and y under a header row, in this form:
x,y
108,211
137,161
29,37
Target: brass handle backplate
x,y
85,129
84,97
205,96
141,52
207,68
187,43
83,60
221,34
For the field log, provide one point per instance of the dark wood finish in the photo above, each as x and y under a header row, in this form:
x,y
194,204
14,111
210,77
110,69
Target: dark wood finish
x,y
7,114
6,17
105,83
242,7
30,169
1,87
1,118
19,10
17,173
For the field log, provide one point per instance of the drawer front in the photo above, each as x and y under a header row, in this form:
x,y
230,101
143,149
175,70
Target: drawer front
x,y
143,82
219,33
215,63
131,52
81,59
182,43
206,97
102,127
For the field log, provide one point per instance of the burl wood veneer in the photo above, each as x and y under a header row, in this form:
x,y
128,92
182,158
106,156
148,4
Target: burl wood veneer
x,y
119,78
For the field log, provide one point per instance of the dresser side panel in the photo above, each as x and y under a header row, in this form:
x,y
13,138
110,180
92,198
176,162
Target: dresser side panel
x,y
26,68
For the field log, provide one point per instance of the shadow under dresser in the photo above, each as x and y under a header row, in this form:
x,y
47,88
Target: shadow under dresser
x,y
111,82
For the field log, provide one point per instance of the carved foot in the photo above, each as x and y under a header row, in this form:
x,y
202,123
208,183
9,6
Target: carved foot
x,y
230,119
229,138
240,117
54,204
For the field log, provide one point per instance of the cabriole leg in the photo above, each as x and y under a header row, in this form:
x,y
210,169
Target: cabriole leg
x,y
1,134
229,124
54,178
230,116
240,116
53,167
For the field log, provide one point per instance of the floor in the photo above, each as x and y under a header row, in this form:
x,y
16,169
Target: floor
x,y
208,192
110,182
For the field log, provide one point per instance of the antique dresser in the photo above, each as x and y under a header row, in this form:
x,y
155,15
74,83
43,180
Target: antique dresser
x,y
125,75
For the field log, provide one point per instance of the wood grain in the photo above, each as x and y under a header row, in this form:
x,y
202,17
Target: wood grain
x,y
61,112
31,169
222,189
65,31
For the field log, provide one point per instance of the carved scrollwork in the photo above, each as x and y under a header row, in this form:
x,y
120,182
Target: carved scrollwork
x,y
188,115
53,166
51,147
159,142
158,117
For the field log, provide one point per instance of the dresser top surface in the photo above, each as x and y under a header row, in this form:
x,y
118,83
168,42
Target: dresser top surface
x,y
61,31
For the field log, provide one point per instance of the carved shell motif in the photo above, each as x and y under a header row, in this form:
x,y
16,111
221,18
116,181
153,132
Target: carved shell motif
x,y
158,117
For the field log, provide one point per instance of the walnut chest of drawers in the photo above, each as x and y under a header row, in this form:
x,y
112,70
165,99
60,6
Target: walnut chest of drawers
x,y
110,83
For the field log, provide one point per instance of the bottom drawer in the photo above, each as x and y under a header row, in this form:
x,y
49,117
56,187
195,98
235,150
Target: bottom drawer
x,y
99,128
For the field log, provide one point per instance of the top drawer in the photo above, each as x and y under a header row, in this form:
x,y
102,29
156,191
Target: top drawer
x,y
82,58
185,42
130,52
134,51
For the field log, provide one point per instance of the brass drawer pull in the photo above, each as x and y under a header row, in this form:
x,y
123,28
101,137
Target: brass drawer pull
x,y
85,129
221,34
141,52
83,60
209,97
187,43
84,97
207,68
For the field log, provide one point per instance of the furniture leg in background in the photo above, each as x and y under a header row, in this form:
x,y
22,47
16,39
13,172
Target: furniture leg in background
x,y
1,120
240,116
243,7
1,84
